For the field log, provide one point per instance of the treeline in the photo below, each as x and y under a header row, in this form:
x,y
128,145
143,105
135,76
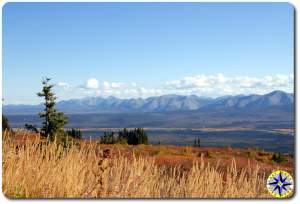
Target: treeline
x,y
74,133
133,137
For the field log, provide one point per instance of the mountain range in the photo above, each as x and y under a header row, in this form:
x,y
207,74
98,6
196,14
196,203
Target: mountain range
x,y
164,103
272,110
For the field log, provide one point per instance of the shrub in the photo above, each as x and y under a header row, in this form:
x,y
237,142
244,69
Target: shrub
x,y
278,158
251,154
31,128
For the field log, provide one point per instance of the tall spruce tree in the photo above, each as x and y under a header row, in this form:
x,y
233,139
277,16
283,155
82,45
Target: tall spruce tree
x,y
54,121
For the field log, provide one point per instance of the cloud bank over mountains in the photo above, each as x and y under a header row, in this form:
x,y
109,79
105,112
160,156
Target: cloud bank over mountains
x,y
201,85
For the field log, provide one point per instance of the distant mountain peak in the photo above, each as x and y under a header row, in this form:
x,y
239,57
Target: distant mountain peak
x,y
277,92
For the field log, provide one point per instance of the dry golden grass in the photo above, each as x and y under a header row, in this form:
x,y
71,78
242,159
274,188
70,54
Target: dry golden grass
x,y
32,170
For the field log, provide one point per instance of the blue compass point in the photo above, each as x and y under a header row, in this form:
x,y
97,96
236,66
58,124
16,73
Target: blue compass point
x,y
279,183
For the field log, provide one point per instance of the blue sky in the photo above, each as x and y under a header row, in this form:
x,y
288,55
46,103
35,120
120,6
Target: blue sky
x,y
146,49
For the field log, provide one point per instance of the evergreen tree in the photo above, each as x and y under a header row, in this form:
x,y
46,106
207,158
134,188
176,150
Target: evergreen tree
x,y
54,121
5,123
198,142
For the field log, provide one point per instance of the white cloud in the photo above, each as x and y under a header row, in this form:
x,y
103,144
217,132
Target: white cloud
x,y
92,83
218,85
106,85
63,85
113,85
199,81
202,85
116,85
89,88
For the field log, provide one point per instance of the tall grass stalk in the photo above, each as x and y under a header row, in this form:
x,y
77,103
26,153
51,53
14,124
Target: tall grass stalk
x,y
37,169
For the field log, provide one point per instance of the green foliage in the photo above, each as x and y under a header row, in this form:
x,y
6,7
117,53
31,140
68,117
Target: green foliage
x,y
31,128
75,133
108,138
5,124
54,121
134,137
278,158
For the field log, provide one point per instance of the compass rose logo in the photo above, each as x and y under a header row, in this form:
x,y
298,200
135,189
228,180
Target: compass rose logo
x,y
280,184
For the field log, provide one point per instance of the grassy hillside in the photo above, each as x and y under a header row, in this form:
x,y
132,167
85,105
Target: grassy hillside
x,y
34,169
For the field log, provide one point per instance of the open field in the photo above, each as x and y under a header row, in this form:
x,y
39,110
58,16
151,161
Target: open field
x,y
269,140
34,169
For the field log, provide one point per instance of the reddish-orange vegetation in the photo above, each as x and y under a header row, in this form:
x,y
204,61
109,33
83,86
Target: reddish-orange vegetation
x,y
185,156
